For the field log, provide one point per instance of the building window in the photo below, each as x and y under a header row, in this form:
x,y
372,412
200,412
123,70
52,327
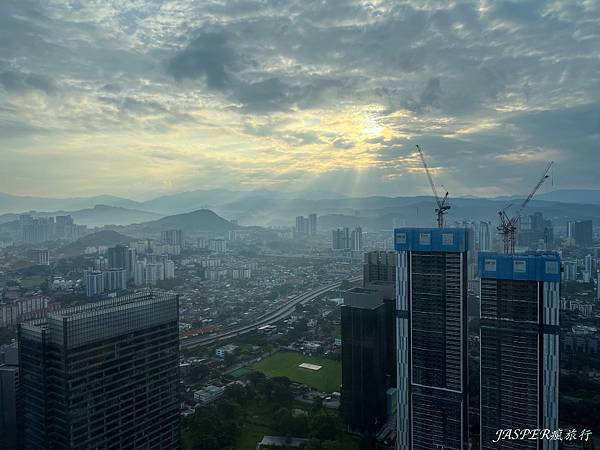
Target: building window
x,y
520,266
490,265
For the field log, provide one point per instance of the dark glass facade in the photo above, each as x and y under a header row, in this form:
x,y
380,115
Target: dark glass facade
x,y
367,370
431,314
520,300
103,375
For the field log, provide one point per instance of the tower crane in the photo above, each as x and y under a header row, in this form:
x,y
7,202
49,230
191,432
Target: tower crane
x,y
442,204
508,225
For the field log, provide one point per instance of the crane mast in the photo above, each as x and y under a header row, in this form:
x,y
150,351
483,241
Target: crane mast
x,y
508,225
442,204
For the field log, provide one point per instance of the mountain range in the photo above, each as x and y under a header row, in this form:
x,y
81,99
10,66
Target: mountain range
x,y
263,207
98,215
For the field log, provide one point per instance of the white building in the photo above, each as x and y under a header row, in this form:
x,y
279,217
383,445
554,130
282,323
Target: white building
x,y
569,271
139,273
243,273
169,269
94,283
115,279
218,245
154,272
229,349
208,394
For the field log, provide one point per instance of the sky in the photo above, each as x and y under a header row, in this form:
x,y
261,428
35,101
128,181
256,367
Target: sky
x,y
141,98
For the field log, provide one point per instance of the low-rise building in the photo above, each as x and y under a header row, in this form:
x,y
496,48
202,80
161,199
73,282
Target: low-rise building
x,y
228,349
208,394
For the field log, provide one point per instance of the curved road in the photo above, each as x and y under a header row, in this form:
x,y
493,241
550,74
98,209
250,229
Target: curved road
x,y
266,319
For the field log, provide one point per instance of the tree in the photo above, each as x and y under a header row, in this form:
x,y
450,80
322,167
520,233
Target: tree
x,y
323,426
332,445
280,391
238,393
313,444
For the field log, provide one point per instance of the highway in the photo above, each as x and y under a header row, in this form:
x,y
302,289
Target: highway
x,y
270,317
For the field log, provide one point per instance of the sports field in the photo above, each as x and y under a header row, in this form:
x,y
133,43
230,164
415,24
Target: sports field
x,y
285,364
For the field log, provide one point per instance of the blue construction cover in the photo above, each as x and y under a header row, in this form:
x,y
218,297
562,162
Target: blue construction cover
x,y
520,266
431,239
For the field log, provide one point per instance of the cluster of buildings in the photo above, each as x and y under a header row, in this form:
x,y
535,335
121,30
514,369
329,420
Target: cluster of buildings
x,y
16,308
342,239
580,233
215,245
124,264
34,230
101,375
306,226
405,339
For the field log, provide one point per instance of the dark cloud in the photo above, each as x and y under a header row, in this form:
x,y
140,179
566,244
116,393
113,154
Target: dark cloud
x,y
478,84
429,96
208,56
18,82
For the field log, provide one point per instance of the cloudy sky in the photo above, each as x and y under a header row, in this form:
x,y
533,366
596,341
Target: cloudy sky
x,y
139,98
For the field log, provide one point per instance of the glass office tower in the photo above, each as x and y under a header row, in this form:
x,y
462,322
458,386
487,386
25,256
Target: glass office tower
x,y
520,302
431,310
102,375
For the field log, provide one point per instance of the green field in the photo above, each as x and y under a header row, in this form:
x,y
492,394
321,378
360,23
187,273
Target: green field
x,y
285,364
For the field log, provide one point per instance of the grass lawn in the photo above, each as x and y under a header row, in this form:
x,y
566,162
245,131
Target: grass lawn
x,y
241,372
285,364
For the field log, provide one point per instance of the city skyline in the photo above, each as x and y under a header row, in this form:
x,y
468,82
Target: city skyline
x,y
154,98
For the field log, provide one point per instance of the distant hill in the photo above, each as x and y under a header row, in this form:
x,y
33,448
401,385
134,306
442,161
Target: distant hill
x,y
104,237
591,196
111,215
97,216
19,204
202,220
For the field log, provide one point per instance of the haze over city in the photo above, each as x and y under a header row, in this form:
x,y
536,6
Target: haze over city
x,y
143,98
300,224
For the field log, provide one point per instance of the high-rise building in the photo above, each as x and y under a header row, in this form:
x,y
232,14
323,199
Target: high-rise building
x,y
102,375
115,280
36,229
139,274
302,225
569,271
118,257
173,237
131,262
580,232
367,327
154,272
485,237
431,310
587,264
519,346
41,256
535,232
64,227
218,245
379,266
169,269
356,240
340,239
94,283
10,390
312,224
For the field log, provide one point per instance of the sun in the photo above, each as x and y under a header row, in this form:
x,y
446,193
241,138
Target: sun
x,y
372,126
